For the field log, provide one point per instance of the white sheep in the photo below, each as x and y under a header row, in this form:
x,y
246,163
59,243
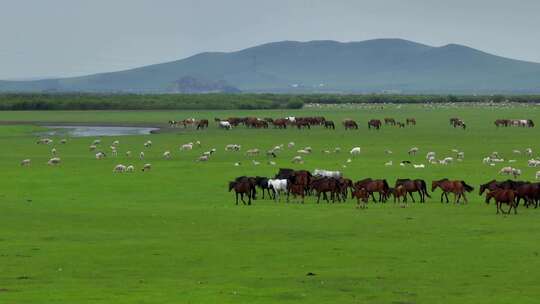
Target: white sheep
x,y
413,150
92,147
203,158
420,166
146,167
96,142
506,170
529,152
54,151
305,152
461,155
431,154
54,161
298,160
26,162
100,155
130,168
255,163
291,145
128,153
355,151
119,169
537,175
148,144
63,141
389,163
252,152
167,154
116,143
233,147
141,155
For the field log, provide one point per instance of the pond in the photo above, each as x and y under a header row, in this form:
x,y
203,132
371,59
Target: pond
x,y
83,131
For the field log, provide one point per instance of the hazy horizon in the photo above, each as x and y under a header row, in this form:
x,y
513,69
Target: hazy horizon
x,y
63,38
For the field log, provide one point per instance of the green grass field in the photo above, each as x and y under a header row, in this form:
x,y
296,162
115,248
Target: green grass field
x,y
78,233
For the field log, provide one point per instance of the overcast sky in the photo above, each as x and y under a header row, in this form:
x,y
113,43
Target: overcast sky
x,y
75,37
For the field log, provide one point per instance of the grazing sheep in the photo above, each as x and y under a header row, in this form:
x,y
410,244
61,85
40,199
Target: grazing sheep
x,y
516,172
44,141
326,173
420,166
305,152
272,163
255,163
431,155
96,142
533,163
146,167
116,143
119,169
529,152
455,150
54,161
198,143
114,153
252,152
516,151
100,155
413,150
130,168
389,163
128,153
326,151
26,162
54,151
233,147
355,151
167,154
187,147
388,151
337,149
237,164
446,161
63,141
309,149
461,155
92,147
506,170
298,160
537,176
349,160
290,145
203,158
148,144
141,155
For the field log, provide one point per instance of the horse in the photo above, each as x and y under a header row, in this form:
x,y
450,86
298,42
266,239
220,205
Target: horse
x,y
284,173
242,187
375,123
371,186
503,197
502,122
389,121
328,124
201,124
417,185
262,183
362,197
458,187
529,192
252,181
296,190
350,124
494,185
398,192
302,178
323,186
280,123
411,121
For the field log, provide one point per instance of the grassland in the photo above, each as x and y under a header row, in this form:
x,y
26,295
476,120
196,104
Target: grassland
x,y
78,233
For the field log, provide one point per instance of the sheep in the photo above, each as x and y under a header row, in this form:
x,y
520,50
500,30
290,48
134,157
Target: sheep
x,y
255,163
388,163
252,152
413,150
128,153
96,142
537,176
167,154
186,147
455,150
326,151
198,143
271,163
529,152
100,155
237,164
54,151
516,151
420,166
305,152
431,155
141,155
119,169
533,163
44,141
26,162
388,151
233,147
148,144
355,151
461,155
291,145
298,160
506,170
326,173
116,143
309,149
446,161
114,153
337,149
54,161
146,167
516,172
130,168
203,158
63,141
92,147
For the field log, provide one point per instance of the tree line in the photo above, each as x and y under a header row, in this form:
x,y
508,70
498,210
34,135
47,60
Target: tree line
x,y
84,101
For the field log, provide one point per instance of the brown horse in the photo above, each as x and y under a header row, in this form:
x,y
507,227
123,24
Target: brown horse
x,y
350,124
328,124
201,124
411,121
417,185
398,192
503,197
389,121
372,186
323,186
362,197
280,123
458,187
375,123
296,190
502,122
242,187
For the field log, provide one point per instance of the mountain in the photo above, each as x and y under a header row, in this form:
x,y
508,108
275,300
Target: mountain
x,y
379,65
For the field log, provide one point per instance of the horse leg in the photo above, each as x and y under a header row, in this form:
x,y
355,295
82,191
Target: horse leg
x,y
249,199
412,197
442,194
236,198
446,195
373,197
242,198
318,197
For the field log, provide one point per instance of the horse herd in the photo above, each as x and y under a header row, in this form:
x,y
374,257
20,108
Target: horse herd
x,y
332,186
283,123
524,123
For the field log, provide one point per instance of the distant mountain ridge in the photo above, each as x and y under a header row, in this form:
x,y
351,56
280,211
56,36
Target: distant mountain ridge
x,y
379,65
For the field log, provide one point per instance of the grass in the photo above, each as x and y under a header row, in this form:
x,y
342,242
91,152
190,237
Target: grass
x,y
80,234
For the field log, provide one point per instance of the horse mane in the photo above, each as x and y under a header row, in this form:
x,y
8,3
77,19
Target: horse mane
x,y
467,187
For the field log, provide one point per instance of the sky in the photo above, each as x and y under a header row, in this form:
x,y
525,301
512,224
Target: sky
x,y
61,38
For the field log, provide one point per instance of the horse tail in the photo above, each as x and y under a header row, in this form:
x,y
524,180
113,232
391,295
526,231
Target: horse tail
x,y
424,188
467,187
386,187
